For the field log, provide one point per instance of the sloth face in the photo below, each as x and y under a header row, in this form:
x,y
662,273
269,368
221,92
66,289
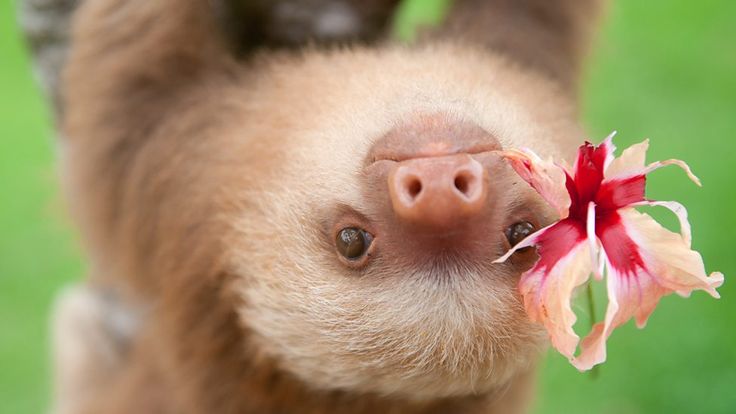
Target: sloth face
x,y
366,240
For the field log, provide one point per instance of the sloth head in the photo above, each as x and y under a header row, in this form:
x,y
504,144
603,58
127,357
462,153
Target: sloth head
x,y
373,208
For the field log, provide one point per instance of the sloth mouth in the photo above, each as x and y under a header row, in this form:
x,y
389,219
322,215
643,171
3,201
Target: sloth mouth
x,y
480,149
431,135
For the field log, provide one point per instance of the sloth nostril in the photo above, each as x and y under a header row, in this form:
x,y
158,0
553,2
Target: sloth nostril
x,y
414,187
464,183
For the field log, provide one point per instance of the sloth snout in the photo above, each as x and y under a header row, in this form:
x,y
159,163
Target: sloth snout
x,y
438,191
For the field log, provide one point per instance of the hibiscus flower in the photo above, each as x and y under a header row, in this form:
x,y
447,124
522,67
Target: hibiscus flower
x,y
600,231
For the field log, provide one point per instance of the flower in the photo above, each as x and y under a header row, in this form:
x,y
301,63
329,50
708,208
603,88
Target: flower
x,y
600,229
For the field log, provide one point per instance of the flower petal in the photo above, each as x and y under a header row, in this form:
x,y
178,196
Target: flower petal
x,y
679,210
645,262
668,258
544,176
529,241
621,192
589,166
631,162
626,297
563,265
625,180
601,154
593,242
607,144
682,164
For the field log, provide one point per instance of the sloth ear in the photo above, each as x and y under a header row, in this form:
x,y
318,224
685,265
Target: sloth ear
x,y
250,24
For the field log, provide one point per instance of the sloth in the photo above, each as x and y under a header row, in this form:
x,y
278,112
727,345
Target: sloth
x,y
285,211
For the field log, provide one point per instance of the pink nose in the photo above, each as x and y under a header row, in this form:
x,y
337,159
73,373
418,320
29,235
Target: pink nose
x,y
438,192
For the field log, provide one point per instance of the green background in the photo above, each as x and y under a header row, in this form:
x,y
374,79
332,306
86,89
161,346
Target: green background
x,y
661,69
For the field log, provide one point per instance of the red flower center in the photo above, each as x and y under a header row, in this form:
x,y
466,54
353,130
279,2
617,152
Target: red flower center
x,y
588,186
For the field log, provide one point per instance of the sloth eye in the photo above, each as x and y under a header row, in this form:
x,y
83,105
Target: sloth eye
x,y
352,242
518,232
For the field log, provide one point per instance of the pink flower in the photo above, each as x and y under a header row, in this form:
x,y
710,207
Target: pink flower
x,y
601,230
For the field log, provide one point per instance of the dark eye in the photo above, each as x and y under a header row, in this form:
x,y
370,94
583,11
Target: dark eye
x,y
352,243
518,232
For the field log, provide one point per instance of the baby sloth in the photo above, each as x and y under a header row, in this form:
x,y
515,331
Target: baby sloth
x,y
280,228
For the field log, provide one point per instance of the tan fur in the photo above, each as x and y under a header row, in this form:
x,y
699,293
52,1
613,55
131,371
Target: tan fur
x,y
207,188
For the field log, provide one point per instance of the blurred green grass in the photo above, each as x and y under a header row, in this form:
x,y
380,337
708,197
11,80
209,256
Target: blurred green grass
x,y
661,69
36,249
